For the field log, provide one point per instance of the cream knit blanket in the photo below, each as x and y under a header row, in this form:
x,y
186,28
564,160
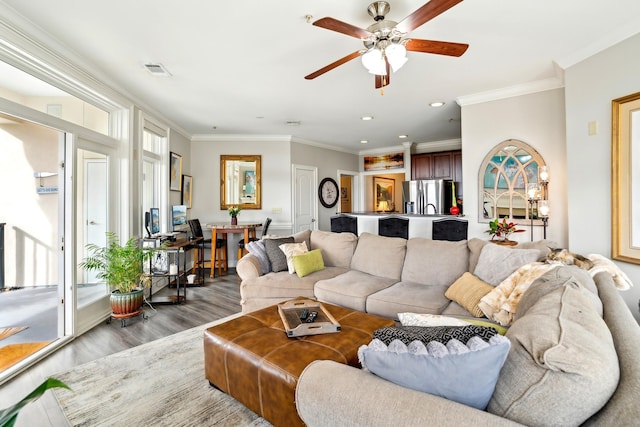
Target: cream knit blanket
x,y
501,304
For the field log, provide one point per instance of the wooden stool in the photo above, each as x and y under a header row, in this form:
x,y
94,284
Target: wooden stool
x,y
219,256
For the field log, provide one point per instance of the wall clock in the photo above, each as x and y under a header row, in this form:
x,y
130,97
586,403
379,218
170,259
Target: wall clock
x,y
328,192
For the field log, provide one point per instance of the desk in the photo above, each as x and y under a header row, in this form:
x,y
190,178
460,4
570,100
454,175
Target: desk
x,y
173,251
248,229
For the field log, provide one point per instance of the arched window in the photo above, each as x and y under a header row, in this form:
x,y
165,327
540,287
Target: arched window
x,y
503,179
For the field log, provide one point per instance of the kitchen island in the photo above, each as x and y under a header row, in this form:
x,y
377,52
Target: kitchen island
x,y
419,225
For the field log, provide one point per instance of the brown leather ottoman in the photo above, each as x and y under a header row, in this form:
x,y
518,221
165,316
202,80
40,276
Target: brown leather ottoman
x,y
251,358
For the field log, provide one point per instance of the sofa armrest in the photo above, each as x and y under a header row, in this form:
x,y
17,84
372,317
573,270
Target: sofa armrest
x,y
248,267
330,393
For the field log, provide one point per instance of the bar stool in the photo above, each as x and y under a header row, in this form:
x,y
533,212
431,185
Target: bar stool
x,y
241,244
219,256
198,258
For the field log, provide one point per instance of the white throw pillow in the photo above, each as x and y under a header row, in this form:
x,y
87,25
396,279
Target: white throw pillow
x,y
292,249
416,319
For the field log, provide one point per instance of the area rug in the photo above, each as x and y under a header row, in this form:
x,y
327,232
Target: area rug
x,y
160,383
13,353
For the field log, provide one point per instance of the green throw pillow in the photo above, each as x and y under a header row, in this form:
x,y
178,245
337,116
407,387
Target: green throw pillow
x,y
309,262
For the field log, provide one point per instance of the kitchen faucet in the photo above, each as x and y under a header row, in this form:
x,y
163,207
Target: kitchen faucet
x,y
435,211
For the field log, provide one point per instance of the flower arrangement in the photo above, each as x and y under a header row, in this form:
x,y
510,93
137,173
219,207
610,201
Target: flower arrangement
x,y
234,210
502,230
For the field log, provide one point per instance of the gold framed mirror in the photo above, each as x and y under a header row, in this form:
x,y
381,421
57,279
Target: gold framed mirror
x,y
240,181
625,197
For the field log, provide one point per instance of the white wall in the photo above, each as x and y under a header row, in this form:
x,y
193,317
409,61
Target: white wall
x,y
591,85
328,162
275,184
538,120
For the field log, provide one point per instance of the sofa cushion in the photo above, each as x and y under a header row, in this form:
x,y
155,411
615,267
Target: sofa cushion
x,y
407,296
562,367
379,255
497,262
277,258
465,374
285,285
290,250
306,264
434,262
337,248
467,291
441,334
350,289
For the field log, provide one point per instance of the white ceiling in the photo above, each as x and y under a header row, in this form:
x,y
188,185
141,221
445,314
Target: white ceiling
x,y
239,65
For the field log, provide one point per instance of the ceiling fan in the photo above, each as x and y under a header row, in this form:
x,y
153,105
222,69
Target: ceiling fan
x,y
385,45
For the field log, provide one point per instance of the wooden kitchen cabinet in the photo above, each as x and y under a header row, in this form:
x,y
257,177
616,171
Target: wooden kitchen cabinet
x,y
439,165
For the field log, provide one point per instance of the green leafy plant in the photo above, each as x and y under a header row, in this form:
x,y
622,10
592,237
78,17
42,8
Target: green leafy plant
x,y
119,265
9,415
502,229
234,210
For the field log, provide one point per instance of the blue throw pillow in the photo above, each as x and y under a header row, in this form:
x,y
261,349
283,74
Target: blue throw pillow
x,y
465,374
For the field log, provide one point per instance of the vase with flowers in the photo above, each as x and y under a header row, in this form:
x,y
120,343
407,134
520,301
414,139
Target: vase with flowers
x,y
234,210
501,230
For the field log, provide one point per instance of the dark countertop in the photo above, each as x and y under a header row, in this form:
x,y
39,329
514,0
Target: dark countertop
x,y
373,213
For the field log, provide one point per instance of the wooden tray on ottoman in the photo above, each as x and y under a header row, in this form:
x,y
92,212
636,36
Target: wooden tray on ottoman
x,y
290,311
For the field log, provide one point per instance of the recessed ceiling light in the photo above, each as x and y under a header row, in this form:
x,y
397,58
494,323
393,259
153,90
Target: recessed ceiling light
x,y
293,122
366,118
403,136
436,104
363,141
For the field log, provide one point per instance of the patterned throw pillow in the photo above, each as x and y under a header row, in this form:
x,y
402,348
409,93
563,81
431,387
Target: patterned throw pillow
x,y
257,249
277,258
442,334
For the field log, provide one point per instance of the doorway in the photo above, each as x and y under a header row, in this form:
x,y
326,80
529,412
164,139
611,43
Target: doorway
x,y
32,298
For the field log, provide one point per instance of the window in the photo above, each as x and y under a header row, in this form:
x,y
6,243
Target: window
x,y
154,148
503,179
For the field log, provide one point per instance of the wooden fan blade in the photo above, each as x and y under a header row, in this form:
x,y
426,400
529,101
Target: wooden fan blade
x,y
425,13
437,47
382,81
342,27
333,65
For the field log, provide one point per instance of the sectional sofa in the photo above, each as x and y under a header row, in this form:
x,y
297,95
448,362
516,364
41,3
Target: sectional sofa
x,y
573,345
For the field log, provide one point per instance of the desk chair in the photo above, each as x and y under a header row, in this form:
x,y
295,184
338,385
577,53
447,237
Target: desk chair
x,y
218,256
344,224
394,226
265,228
451,229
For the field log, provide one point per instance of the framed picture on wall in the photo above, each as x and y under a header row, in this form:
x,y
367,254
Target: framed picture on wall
x,y
175,172
187,190
383,193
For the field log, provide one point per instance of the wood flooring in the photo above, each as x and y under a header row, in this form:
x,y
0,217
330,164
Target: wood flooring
x,y
217,298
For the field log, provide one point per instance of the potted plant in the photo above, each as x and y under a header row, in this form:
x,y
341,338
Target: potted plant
x,y
121,266
234,210
501,230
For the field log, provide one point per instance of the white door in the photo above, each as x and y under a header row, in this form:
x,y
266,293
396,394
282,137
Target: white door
x,y
305,206
95,205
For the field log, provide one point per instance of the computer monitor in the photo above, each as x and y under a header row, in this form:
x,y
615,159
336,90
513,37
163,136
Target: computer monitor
x,y
179,218
155,220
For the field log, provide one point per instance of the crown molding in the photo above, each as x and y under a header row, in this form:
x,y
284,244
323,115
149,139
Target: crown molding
x,y
551,83
432,147
229,137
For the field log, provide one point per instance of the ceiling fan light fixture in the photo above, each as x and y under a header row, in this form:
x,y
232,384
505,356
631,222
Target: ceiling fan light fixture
x,y
373,61
396,55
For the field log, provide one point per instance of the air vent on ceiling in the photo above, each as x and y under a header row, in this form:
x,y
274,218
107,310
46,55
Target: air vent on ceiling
x,y
157,70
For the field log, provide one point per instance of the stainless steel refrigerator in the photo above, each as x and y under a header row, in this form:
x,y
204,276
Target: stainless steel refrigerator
x,y
427,196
